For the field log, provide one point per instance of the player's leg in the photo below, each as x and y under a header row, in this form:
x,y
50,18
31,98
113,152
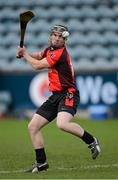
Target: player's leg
x,y
66,110
45,114
64,122
34,128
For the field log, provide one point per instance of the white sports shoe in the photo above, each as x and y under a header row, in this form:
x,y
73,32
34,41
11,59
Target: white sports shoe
x,y
95,148
36,167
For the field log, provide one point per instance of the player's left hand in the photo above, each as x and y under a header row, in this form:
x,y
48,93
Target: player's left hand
x,y
20,51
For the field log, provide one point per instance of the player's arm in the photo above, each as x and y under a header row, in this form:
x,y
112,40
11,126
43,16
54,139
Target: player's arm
x,y
36,56
33,55
35,63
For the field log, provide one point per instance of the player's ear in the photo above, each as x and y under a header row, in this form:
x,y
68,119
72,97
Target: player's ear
x,y
49,38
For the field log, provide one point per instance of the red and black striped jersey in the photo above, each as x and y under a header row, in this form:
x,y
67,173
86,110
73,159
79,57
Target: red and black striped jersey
x,y
60,73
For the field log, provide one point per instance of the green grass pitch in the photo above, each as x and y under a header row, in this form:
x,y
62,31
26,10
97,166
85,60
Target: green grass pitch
x,y
68,156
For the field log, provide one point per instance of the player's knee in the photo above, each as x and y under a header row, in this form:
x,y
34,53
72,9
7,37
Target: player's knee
x,y
32,128
61,125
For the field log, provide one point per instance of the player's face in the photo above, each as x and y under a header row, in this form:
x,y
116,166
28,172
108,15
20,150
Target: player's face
x,y
56,40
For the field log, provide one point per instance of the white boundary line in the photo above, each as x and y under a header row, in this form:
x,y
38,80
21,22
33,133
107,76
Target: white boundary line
x,y
66,168
12,171
91,166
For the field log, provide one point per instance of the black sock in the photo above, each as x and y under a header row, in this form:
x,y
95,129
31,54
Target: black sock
x,y
87,138
40,155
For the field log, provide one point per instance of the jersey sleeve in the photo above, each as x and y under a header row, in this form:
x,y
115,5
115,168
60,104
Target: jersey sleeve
x,y
53,57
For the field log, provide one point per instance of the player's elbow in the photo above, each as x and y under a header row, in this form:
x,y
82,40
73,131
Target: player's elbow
x,y
37,67
41,66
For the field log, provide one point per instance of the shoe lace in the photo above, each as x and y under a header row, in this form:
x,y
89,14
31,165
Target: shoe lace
x,y
34,165
93,145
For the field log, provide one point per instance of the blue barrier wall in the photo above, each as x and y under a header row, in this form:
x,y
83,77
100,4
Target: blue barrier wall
x,y
29,90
